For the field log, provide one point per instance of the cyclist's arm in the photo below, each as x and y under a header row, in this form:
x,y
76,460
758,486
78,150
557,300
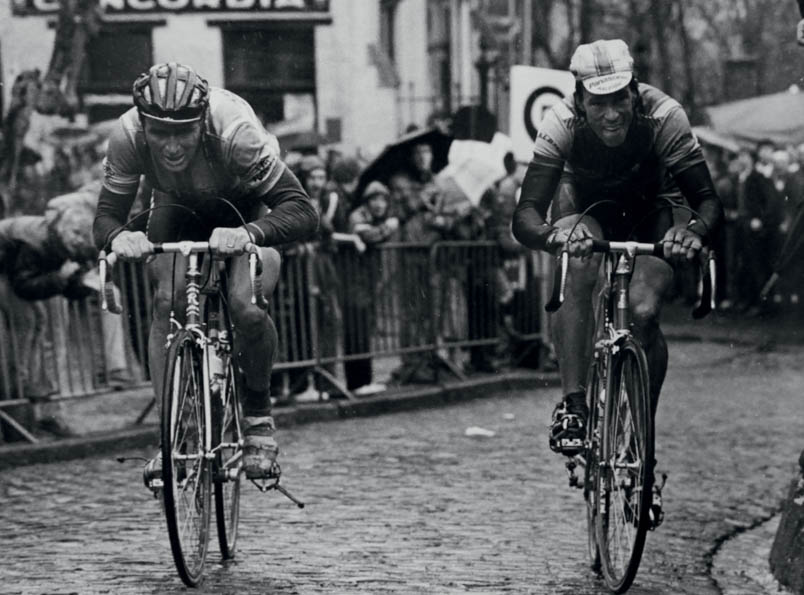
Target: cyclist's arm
x,y
550,151
293,217
695,183
681,152
110,214
121,178
538,188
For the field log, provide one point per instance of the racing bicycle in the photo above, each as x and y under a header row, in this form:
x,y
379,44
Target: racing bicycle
x,y
617,455
201,425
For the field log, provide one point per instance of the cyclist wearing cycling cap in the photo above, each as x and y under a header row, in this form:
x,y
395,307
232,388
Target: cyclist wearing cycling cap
x,y
194,143
618,140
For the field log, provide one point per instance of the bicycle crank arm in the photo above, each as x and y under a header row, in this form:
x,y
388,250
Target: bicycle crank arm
x,y
281,489
289,496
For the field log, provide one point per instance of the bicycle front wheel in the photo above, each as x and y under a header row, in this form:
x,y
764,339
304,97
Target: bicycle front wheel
x,y
185,467
625,481
228,459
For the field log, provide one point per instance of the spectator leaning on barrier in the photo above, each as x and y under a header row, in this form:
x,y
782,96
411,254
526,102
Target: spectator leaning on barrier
x,y
42,257
373,223
313,177
758,219
117,363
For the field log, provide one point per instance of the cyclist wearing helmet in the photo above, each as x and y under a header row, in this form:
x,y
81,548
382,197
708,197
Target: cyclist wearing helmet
x,y
194,143
627,142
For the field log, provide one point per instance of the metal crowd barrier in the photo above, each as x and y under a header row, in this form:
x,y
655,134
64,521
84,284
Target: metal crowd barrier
x,y
418,302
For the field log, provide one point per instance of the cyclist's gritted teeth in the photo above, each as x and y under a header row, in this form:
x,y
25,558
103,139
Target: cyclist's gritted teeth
x,y
174,160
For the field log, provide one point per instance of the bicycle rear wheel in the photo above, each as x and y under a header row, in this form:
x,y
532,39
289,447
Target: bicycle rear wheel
x,y
592,464
624,488
228,460
185,468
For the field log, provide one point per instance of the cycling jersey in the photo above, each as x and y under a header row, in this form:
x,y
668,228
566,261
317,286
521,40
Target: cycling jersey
x,y
650,163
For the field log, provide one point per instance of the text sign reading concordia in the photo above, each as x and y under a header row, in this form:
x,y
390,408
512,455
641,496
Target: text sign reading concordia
x,y
39,7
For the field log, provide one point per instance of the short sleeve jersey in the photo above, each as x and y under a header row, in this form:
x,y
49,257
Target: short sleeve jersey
x,y
659,140
238,157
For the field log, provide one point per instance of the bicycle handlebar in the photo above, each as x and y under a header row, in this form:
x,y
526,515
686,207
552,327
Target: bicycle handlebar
x,y
109,299
706,305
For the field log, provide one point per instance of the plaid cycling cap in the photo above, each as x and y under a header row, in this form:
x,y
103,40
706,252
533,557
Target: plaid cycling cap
x,y
603,66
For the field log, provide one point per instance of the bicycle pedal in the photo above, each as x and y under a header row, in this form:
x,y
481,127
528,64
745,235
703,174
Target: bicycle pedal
x,y
156,486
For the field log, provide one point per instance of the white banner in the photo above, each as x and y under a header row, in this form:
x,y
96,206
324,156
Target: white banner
x,y
533,91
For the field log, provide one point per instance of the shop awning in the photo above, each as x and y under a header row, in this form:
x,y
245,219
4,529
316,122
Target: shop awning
x,y
778,117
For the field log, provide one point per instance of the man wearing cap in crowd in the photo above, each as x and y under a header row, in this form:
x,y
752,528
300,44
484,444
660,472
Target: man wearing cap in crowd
x,y
627,142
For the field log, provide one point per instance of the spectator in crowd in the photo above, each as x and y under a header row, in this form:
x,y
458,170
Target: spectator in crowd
x,y
313,177
510,293
344,177
724,177
418,222
427,196
42,257
414,295
373,223
758,220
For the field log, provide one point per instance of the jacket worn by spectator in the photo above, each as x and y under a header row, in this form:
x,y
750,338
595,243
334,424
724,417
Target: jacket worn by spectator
x,y
371,220
32,254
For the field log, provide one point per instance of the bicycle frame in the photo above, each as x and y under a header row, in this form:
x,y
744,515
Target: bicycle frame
x,y
614,480
214,342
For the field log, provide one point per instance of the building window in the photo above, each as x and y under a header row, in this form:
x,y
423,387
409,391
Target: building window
x,y
272,66
387,27
110,71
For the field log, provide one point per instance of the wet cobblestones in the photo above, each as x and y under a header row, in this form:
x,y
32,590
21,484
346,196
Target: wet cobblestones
x,y
407,503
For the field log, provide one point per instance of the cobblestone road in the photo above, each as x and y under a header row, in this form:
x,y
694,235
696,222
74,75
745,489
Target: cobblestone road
x,y
407,503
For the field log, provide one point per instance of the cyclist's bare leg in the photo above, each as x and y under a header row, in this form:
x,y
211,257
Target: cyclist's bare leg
x,y
572,326
255,343
256,337
650,283
167,295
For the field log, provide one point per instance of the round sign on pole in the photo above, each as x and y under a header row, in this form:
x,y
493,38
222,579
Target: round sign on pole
x,y
536,105
533,91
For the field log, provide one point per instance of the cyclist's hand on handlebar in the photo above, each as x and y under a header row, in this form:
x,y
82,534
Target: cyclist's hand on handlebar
x,y
681,243
229,241
131,245
579,245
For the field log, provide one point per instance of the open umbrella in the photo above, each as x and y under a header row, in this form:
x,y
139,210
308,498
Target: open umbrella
x,y
396,156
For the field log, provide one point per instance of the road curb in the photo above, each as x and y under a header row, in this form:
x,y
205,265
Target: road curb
x,y
16,455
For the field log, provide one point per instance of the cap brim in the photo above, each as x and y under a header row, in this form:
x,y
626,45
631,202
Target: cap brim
x,y
609,83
